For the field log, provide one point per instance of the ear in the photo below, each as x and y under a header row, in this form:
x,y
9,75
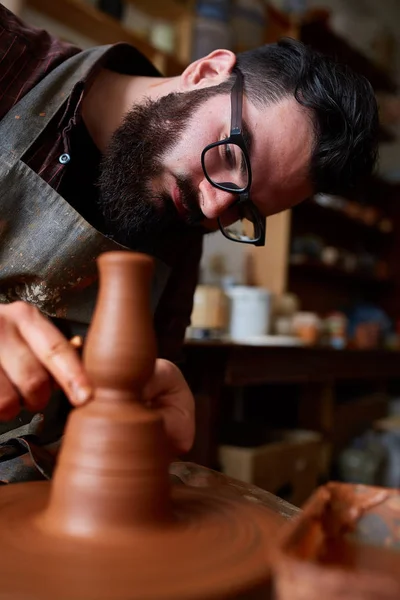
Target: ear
x,y
207,71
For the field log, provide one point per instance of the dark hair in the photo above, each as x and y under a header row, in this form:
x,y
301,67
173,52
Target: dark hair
x,y
343,104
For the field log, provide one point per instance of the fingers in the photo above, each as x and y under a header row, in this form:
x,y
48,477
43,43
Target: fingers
x,y
27,376
168,392
55,354
178,427
9,399
33,353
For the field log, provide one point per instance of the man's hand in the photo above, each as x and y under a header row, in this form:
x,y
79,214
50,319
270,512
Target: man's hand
x,y
34,354
168,393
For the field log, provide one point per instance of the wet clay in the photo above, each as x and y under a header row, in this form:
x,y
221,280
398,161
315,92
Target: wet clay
x,y
346,542
109,525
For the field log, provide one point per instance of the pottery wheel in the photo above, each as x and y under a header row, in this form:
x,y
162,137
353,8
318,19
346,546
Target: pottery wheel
x,y
219,546
109,526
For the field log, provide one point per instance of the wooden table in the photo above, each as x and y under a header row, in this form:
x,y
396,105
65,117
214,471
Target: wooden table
x,y
212,365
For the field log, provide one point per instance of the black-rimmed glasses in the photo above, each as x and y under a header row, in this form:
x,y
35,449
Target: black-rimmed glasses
x,y
226,165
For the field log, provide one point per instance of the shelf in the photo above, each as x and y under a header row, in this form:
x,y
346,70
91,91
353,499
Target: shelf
x,y
103,29
315,31
385,135
320,36
379,192
168,10
339,218
320,270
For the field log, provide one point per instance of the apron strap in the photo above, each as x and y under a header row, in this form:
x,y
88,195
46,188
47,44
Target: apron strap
x,y
23,124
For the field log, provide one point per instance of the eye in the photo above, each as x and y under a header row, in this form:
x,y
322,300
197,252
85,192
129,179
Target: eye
x,y
230,156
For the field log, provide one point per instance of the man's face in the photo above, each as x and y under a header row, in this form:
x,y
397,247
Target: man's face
x,y
152,184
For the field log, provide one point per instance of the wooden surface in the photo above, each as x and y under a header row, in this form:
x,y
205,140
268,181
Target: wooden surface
x,y
254,365
168,10
103,29
267,264
211,368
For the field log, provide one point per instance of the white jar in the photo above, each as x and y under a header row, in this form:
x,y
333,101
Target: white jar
x,y
250,311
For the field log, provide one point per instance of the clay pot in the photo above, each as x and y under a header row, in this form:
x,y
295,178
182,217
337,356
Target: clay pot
x,y
345,543
109,525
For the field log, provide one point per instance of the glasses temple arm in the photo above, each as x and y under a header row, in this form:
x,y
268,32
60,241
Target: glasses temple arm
x,y
236,101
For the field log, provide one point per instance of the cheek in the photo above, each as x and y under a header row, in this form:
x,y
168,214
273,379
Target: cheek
x,y
282,204
288,196
192,145
188,163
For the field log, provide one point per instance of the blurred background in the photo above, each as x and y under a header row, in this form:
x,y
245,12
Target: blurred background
x,y
294,349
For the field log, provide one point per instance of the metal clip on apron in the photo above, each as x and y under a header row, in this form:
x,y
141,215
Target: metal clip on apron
x,y
47,250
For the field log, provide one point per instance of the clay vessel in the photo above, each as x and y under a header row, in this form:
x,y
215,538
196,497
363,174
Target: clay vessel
x,y
346,542
113,466
109,525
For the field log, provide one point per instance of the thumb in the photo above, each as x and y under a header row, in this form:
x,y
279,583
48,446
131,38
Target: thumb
x,y
169,394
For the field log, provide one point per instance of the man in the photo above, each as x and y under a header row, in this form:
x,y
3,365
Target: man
x,y
100,152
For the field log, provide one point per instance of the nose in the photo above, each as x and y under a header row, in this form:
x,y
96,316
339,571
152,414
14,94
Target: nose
x,y
214,202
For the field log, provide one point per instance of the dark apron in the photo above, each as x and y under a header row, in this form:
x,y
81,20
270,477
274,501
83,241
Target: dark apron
x,y
47,256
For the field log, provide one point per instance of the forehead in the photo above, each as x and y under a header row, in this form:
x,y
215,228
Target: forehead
x,y
283,137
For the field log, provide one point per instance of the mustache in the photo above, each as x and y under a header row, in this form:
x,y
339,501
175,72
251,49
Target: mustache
x,y
190,201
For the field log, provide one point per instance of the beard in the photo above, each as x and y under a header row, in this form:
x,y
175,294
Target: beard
x,y
133,215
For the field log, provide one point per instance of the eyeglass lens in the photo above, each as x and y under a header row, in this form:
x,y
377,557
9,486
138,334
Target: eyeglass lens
x,y
239,223
225,164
